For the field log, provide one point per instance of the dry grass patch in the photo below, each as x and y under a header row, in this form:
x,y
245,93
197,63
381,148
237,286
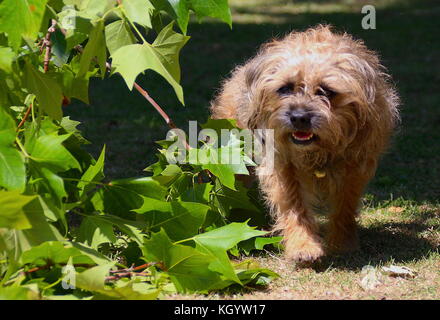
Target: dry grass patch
x,y
407,237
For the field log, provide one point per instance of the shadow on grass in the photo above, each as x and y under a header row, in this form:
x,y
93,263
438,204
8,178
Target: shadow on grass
x,y
384,244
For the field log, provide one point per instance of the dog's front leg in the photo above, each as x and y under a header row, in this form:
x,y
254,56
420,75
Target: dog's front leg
x,y
342,236
296,224
302,244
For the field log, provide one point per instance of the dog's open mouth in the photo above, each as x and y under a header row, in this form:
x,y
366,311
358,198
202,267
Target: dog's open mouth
x,y
303,137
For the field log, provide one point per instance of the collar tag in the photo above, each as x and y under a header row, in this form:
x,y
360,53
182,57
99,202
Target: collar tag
x,y
319,174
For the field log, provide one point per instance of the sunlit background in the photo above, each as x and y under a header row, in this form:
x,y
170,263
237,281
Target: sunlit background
x,y
406,38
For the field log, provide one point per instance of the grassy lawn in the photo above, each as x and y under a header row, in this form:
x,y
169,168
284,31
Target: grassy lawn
x,y
400,220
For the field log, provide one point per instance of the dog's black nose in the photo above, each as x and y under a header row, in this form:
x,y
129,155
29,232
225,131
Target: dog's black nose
x,y
301,119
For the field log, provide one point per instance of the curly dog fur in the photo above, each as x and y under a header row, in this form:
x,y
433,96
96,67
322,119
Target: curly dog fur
x,y
333,108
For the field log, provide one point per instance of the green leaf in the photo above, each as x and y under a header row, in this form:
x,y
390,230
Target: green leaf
x,y
12,168
52,210
93,279
219,162
50,152
52,183
118,34
130,228
258,243
16,241
224,162
54,252
131,290
94,173
218,241
120,197
171,170
12,214
6,58
186,266
228,236
240,205
46,89
168,45
179,219
35,129
231,199
97,257
95,49
57,5
18,293
218,124
161,57
81,30
76,87
179,185
198,193
41,230
179,10
250,273
145,186
21,18
224,172
138,11
212,8
59,48
70,126
95,231
94,9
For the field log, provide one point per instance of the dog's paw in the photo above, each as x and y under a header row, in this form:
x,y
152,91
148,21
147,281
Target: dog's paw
x,y
306,254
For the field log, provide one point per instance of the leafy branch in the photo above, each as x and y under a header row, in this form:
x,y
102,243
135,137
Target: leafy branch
x,y
58,208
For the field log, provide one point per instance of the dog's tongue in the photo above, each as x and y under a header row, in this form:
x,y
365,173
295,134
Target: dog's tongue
x,y
302,134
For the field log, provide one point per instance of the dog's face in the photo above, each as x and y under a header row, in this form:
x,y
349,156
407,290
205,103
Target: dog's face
x,y
313,103
317,93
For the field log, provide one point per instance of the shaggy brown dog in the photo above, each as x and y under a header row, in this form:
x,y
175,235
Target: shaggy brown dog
x,y
332,108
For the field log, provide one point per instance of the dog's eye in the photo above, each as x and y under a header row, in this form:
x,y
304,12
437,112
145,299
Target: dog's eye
x,y
326,92
287,89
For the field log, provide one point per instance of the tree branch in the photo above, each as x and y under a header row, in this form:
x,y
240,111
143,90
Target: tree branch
x,y
26,115
48,45
45,44
163,114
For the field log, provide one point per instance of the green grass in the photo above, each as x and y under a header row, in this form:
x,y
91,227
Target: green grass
x,y
409,174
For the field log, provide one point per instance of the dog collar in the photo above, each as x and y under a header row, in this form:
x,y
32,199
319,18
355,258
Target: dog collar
x,y
319,174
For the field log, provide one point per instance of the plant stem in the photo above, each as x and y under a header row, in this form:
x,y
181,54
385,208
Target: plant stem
x,y
48,45
142,91
156,106
131,23
22,147
107,13
184,240
26,115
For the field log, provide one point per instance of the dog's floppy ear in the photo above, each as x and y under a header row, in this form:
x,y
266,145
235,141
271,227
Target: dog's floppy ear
x,y
376,111
254,72
243,94
368,65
